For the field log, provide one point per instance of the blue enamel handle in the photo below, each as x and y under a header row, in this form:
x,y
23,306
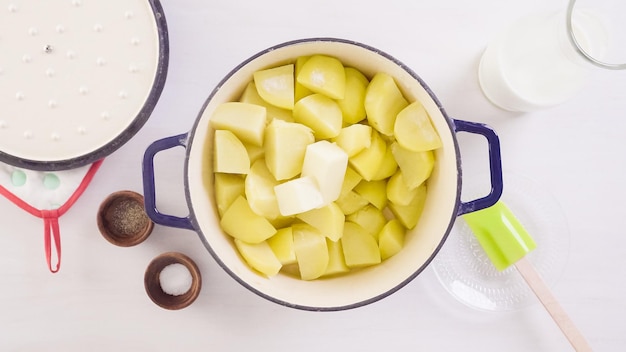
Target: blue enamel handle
x,y
495,166
149,188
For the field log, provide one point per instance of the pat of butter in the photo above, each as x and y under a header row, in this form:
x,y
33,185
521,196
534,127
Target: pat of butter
x,y
326,163
298,195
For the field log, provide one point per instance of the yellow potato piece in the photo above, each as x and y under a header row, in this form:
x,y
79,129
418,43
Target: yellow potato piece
x,y
354,138
282,221
320,113
259,190
326,163
328,220
282,245
368,162
414,130
250,95
276,85
370,218
374,191
325,75
353,104
383,102
409,215
255,152
229,154
298,195
388,166
242,223
391,238
359,247
397,190
227,188
300,90
336,262
311,251
416,166
259,256
351,202
246,121
285,147
350,180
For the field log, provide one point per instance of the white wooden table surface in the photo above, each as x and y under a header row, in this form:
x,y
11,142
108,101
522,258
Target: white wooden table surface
x,y
97,301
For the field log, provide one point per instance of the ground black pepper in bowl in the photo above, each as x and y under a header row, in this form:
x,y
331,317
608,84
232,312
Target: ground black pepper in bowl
x,y
127,217
122,219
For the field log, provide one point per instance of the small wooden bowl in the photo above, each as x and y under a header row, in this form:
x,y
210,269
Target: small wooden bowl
x,y
122,219
153,285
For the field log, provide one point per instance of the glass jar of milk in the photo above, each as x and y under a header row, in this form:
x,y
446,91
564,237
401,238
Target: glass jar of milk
x,y
535,63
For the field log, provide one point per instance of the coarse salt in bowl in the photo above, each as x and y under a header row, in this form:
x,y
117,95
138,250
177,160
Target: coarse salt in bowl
x,y
175,279
172,281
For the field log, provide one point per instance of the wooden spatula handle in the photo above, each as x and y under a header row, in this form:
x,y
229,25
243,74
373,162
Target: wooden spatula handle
x,y
560,317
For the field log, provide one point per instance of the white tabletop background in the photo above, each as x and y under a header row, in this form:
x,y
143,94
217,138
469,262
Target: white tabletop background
x,y
97,301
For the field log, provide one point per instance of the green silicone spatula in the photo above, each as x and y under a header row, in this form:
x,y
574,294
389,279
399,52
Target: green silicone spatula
x,y
507,243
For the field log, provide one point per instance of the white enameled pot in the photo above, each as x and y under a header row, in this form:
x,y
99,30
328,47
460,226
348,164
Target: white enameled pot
x,y
443,203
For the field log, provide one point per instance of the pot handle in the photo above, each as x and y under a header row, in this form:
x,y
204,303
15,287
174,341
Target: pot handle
x,y
495,166
149,188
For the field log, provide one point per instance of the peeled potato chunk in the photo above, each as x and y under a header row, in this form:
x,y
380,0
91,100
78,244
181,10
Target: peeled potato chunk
x,y
370,218
300,90
227,188
285,147
326,163
350,180
353,103
391,238
255,152
368,162
229,154
246,121
282,221
275,85
336,262
414,130
388,166
359,247
409,215
298,195
374,191
320,113
325,75
259,256
242,223
311,251
251,95
282,245
354,138
351,202
383,102
259,189
397,190
416,166
328,220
